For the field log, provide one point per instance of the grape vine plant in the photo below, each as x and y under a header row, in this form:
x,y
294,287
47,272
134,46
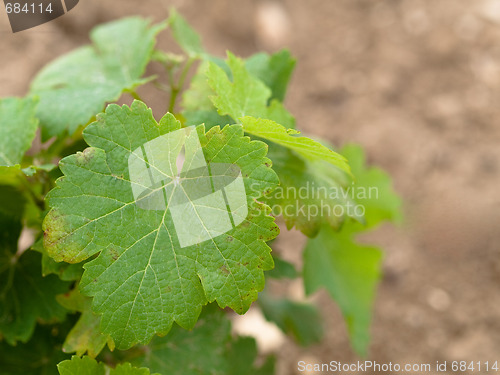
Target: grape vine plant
x,y
98,284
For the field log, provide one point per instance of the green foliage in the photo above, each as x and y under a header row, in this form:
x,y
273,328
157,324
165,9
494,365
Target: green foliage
x,y
39,356
76,87
186,37
85,336
275,71
350,273
348,270
105,270
89,366
244,95
209,348
25,296
139,267
18,129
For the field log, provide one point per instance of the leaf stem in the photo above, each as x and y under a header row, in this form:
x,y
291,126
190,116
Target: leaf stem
x,y
135,95
176,88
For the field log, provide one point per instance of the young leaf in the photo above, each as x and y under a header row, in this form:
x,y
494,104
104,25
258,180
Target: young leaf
x,y
18,126
85,336
300,320
75,87
245,99
245,95
308,148
350,273
89,366
310,193
196,103
274,70
185,35
143,279
372,189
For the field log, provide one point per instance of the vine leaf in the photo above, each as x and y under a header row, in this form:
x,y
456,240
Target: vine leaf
x,y
18,126
300,162
308,148
89,366
373,189
311,192
187,38
245,99
274,70
143,279
85,336
244,95
349,271
76,86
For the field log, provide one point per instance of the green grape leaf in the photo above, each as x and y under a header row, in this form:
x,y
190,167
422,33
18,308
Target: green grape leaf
x,y
89,366
308,148
350,273
372,189
196,103
197,96
208,349
76,86
245,95
245,99
144,279
187,38
310,193
39,356
274,70
18,126
85,336
300,320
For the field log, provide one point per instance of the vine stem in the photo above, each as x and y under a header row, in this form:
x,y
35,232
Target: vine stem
x,y
135,95
176,88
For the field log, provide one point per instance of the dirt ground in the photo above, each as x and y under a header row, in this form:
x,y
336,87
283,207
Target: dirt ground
x,y
417,83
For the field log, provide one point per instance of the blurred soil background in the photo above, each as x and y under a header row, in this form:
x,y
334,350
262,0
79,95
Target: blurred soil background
x,y
417,83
